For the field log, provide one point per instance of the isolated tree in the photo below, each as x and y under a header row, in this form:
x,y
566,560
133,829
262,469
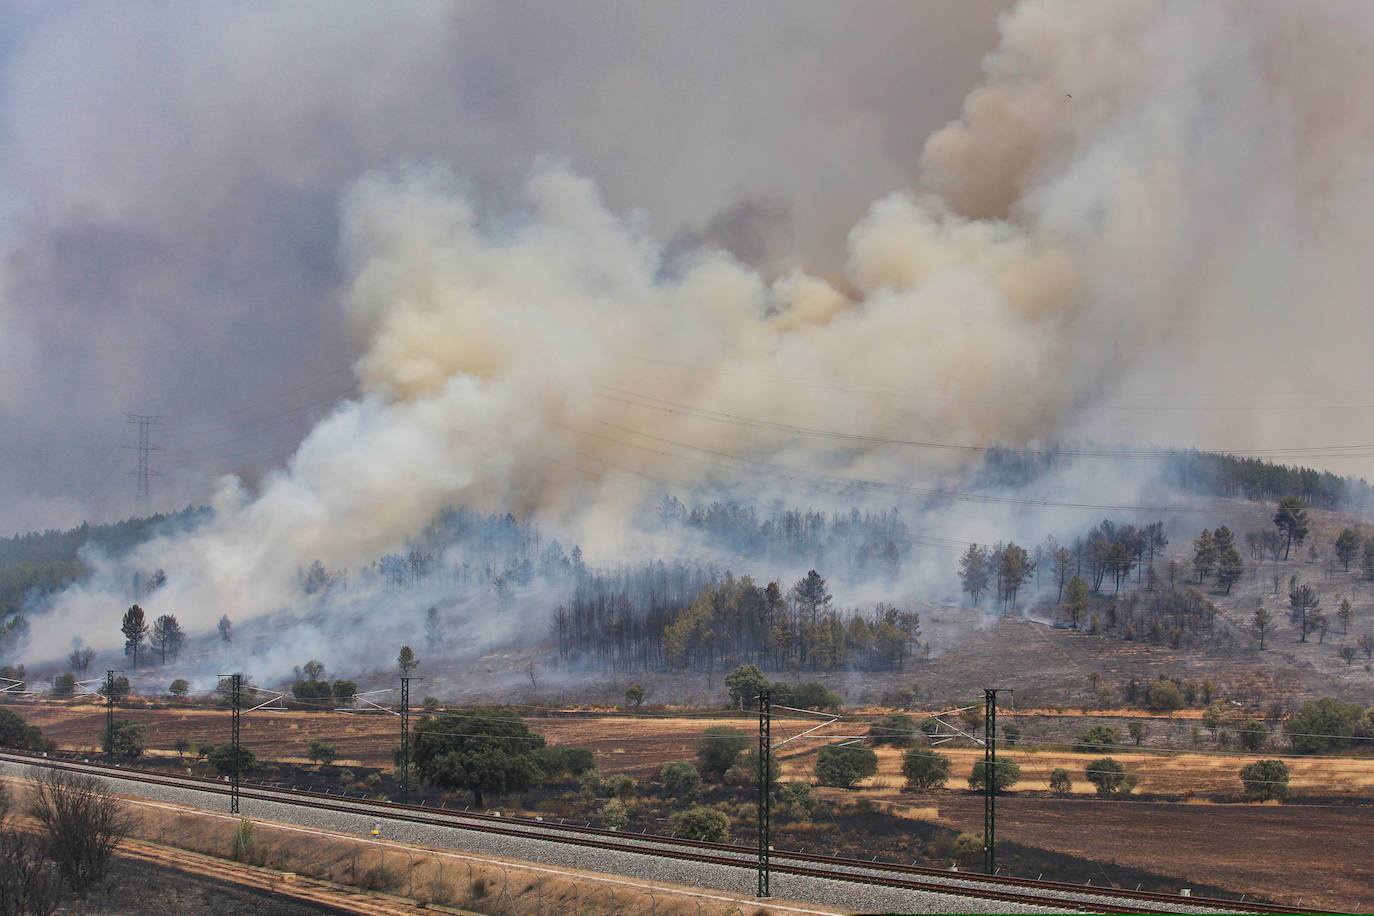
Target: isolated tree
x,y
1014,567
744,684
313,670
634,695
1204,555
1265,780
320,752
923,768
1252,734
842,765
81,822
225,628
717,750
1303,604
479,750
1347,546
1061,783
1262,623
973,572
681,781
1138,729
1076,601
1347,654
179,688
1109,777
135,632
1345,612
167,636
1229,569
81,659
129,738
1163,694
1005,775
1062,560
434,630
406,660
1291,520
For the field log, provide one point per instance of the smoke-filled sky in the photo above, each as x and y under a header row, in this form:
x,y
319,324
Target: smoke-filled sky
x,y
516,255
174,182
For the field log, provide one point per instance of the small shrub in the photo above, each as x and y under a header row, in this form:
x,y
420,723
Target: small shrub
x,y
896,729
798,798
241,844
373,780
681,781
697,823
968,848
613,814
1094,739
1060,781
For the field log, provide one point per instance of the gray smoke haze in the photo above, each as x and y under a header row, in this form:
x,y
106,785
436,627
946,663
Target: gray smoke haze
x,y
1146,226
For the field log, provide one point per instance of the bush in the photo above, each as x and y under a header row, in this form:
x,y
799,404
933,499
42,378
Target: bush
x,y
1110,777
697,823
343,691
799,800
613,814
1265,780
1006,775
320,752
311,690
813,695
681,781
64,686
924,768
1094,739
895,729
221,757
557,759
842,765
718,749
82,824
18,734
1060,782
968,848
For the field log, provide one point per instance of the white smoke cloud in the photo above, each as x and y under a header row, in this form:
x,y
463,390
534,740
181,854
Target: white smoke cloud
x,y
1143,199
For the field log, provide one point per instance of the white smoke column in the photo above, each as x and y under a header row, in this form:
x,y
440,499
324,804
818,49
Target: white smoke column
x,y
1137,187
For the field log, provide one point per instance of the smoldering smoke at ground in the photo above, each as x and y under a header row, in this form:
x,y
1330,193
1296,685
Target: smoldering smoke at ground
x,y
1141,204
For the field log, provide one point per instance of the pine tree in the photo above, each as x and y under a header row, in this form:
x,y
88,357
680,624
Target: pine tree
x,y
135,632
1204,555
167,636
973,572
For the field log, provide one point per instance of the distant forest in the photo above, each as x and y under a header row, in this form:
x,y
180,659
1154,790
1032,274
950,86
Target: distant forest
x,y
1204,473
37,564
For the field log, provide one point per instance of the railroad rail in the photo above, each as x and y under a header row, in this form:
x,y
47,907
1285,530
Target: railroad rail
x,y
1007,889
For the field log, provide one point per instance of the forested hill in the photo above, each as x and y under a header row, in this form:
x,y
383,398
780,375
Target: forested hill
x,y
1205,473
48,561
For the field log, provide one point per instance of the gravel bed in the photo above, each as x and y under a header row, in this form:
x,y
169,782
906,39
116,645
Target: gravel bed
x,y
742,881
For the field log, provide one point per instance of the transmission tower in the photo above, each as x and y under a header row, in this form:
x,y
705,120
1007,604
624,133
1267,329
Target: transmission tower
x,y
145,445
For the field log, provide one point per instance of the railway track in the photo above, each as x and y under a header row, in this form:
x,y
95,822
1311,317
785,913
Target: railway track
x,y
1024,891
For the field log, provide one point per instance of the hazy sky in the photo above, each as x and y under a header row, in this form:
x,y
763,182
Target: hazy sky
x,y
171,178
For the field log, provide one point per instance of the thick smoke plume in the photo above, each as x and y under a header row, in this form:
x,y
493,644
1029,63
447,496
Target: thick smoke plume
x,y
1143,203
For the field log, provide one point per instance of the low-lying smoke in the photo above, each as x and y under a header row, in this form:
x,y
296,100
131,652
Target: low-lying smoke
x,y
1143,200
